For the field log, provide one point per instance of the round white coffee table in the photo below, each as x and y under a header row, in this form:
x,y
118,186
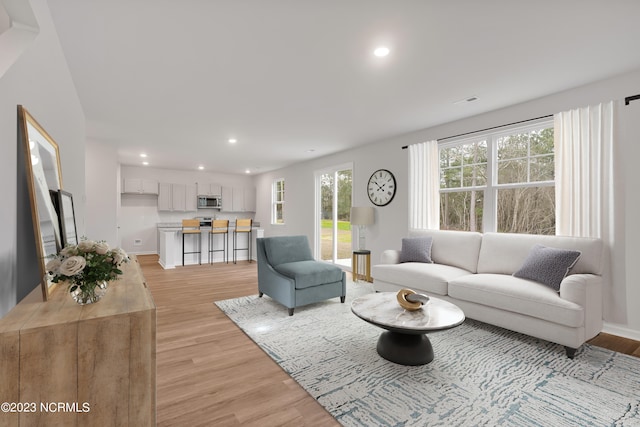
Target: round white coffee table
x,y
405,341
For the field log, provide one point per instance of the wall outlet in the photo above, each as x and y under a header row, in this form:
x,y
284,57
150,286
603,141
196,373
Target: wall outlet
x,y
137,242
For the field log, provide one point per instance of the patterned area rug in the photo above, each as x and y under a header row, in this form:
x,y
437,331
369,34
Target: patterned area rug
x,y
481,375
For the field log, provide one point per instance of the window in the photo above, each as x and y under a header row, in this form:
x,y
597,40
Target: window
x,y
503,181
277,201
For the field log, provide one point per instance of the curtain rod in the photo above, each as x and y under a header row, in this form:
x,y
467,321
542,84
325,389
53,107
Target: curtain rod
x,y
491,128
628,99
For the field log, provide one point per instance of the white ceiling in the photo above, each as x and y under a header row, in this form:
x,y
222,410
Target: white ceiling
x,y
177,79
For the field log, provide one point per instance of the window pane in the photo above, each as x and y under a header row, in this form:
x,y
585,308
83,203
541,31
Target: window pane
x,y
474,175
527,210
450,178
461,210
512,171
279,214
464,165
474,153
513,146
541,142
450,157
542,168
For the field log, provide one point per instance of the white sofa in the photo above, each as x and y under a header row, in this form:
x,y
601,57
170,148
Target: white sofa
x,y
474,271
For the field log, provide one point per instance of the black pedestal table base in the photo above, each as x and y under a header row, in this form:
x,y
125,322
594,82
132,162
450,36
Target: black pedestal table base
x,y
405,349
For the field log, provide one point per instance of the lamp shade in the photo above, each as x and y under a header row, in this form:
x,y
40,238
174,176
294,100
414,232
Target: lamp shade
x,y
362,215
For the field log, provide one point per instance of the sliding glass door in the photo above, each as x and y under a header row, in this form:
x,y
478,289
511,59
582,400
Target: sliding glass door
x,y
333,226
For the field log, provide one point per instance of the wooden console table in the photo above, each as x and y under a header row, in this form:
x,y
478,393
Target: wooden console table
x,y
89,365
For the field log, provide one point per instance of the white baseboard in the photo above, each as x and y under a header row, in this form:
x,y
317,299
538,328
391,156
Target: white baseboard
x,y
621,331
143,253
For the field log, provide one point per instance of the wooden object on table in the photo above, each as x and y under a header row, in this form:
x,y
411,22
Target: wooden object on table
x,y
366,254
101,354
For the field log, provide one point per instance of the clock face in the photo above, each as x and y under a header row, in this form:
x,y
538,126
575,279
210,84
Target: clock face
x,y
381,187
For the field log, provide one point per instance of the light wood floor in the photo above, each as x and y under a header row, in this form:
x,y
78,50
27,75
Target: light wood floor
x,y
209,373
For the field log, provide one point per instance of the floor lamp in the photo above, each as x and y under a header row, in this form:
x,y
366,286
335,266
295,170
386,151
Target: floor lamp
x,y
362,216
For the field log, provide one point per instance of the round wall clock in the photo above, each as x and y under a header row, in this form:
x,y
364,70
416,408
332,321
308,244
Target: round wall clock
x,y
381,187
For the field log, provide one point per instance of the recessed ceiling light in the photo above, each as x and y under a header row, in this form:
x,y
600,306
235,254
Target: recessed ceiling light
x,y
201,167
143,155
465,100
247,171
145,163
381,51
232,140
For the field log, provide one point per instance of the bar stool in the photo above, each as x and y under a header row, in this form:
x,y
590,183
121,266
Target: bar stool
x,y
219,227
191,226
242,226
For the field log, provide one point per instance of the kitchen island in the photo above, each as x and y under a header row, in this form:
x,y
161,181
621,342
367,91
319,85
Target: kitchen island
x,y
170,245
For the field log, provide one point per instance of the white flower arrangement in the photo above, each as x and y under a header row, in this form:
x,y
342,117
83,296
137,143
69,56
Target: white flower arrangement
x,y
87,264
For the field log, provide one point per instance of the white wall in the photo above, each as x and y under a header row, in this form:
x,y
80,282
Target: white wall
x,y
102,192
621,314
138,216
39,80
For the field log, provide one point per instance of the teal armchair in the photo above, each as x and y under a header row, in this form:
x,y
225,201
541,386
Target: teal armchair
x,y
288,273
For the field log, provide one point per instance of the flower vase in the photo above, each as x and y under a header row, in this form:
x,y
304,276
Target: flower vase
x,y
88,293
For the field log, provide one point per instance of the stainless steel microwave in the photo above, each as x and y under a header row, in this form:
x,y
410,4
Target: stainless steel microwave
x,y
209,202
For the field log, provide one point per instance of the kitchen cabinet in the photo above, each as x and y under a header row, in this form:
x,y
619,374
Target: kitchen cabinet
x,y
209,189
227,199
177,197
139,186
250,199
238,199
164,197
191,198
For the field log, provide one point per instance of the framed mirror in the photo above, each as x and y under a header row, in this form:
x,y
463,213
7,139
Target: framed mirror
x,y
63,202
43,170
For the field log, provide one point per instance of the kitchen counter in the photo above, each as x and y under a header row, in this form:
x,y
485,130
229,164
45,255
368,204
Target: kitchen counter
x,y
170,245
178,224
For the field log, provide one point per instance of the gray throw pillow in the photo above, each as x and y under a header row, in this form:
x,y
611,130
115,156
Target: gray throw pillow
x,y
416,249
548,265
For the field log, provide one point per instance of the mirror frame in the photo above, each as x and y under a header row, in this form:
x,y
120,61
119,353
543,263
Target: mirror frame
x,y
41,206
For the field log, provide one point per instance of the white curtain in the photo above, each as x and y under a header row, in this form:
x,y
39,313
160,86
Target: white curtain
x,y
424,186
584,172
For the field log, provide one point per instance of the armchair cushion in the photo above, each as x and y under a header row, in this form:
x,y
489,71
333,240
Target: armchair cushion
x,y
310,273
282,250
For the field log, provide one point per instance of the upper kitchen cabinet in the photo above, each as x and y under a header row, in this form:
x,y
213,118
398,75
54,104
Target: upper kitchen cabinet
x,y
250,199
177,197
190,198
139,186
209,189
238,199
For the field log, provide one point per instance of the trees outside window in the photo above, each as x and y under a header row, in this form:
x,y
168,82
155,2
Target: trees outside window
x,y
499,182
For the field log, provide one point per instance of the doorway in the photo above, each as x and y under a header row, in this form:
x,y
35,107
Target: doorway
x,y
333,222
